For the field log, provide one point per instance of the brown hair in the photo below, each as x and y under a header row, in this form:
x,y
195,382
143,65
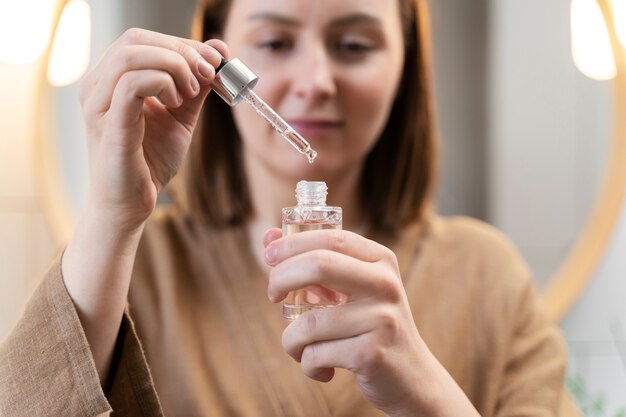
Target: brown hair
x,y
399,171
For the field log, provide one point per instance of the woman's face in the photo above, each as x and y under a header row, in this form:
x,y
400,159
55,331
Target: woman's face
x,y
330,68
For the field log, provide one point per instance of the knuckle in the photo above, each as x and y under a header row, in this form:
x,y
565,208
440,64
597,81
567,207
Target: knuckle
x,y
390,256
131,36
337,240
124,59
388,322
389,286
186,50
127,82
391,294
310,356
309,322
321,262
393,263
387,257
179,64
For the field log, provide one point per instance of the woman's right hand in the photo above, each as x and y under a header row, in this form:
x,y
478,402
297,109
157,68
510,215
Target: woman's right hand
x,y
140,105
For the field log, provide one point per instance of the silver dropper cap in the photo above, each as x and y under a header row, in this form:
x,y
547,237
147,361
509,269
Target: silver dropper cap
x,y
231,79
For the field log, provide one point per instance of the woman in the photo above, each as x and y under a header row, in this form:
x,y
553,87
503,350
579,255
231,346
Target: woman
x,y
442,318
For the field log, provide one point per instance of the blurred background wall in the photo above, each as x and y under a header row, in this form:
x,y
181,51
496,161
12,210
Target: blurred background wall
x,y
524,137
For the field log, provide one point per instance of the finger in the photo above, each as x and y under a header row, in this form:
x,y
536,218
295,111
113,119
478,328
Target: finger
x,y
190,49
333,323
271,235
333,270
351,354
321,374
220,46
134,87
342,241
188,113
202,58
141,57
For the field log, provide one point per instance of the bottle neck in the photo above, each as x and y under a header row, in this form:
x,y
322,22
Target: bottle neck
x,y
311,193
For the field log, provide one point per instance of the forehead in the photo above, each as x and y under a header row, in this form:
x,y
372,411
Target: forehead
x,y
316,11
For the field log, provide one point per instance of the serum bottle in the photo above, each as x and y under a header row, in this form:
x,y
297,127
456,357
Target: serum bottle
x,y
310,213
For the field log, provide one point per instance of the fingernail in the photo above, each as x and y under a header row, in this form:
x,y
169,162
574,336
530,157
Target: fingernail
x,y
205,70
271,255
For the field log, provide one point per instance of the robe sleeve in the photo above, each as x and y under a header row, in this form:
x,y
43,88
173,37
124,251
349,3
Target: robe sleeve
x,y
536,365
47,369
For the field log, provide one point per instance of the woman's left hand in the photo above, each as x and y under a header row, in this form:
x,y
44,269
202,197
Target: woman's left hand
x,y
372,334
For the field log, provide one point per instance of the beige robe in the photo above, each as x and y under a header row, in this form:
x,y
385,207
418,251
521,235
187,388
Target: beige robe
x,y
201,332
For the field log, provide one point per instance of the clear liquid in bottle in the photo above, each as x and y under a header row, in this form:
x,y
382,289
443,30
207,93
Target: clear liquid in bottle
x,y
311,213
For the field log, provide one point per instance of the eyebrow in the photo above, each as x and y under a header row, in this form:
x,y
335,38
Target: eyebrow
x,y
274,17
341,21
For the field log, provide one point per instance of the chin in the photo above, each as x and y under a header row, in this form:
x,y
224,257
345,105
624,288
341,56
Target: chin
x,y
298,167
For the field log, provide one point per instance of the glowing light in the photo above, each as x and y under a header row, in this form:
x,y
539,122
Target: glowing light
x,y
71,47
619,14
25,27
591,45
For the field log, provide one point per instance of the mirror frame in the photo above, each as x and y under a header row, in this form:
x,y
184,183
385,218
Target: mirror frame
x,y
52,192
579,266
563,288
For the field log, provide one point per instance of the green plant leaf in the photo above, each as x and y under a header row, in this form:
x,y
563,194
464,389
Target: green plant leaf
x,y
598,404
576,386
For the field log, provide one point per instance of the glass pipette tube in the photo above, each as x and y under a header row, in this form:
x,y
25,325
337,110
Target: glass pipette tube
x,y
279,124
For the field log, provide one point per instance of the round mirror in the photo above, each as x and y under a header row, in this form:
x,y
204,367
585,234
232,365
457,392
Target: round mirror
x,y
528,143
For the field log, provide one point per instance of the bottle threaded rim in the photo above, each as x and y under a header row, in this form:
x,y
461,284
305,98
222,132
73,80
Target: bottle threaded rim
x,y
311,193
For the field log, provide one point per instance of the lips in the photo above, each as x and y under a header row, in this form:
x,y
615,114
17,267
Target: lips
x,y
308,128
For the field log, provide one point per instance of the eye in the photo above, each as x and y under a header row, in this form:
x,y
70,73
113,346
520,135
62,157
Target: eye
x,y
276,45
354,47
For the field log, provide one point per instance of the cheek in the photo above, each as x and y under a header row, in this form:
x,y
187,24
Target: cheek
x,y
369,107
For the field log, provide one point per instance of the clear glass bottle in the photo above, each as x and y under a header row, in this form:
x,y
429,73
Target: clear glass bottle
x,y
310,213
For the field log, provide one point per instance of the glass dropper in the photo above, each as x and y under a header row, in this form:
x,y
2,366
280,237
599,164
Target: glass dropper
x,y
234,82
279,124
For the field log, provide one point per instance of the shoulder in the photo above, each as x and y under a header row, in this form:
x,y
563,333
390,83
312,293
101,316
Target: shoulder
x,y
472,268
468,230
477,253
473,236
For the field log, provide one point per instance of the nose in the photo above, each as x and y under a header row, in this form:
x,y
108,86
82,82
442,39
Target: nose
x,y
314,78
